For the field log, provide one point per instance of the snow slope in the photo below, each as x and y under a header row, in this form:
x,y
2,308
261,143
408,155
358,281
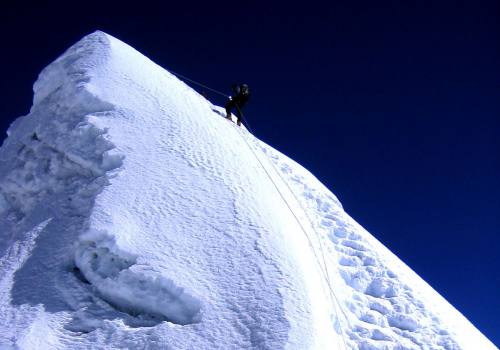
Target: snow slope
x,y
133,215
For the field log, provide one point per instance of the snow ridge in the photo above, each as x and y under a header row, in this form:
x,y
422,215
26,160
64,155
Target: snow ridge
x,y
55,162
133,216
385,301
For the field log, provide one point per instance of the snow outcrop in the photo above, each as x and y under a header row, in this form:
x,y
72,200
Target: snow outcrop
x,y
111,273
133,216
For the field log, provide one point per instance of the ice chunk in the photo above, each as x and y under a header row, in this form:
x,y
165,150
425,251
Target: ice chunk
x,y
110,272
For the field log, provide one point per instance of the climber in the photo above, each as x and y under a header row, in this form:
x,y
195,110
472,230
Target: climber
x,y
240,98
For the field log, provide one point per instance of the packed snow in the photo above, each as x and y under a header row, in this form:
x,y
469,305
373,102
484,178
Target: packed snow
x,y
134,216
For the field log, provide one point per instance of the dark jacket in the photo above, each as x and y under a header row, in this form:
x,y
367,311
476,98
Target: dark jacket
x,y
241,94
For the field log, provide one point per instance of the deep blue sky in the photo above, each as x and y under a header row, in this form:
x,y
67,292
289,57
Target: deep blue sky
x,y
393,105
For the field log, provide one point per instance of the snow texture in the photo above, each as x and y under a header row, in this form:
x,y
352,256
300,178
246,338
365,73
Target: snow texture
x,y
133,216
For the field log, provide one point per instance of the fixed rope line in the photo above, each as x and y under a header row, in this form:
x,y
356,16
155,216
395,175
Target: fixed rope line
x,y
244,119
325,266
199,84
324,269
333,297
215,91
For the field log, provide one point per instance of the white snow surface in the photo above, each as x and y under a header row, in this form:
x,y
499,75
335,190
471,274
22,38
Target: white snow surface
x,y
134,216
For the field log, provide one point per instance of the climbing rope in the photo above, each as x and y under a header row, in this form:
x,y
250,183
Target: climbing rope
x,y
324,268
213,90
199,84
311,223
